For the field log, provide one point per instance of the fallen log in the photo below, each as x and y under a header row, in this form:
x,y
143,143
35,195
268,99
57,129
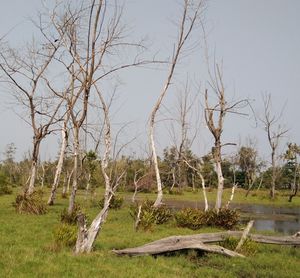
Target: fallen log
x,y
199,241
154,249
221,236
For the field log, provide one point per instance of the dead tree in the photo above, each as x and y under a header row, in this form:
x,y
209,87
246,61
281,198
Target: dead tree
x,y
137,186
91,35
59,166
182,143
275,132
24,71
86,237
198,171
214,118
191,14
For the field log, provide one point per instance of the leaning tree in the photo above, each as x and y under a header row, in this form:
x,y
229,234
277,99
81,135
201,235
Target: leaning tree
x,y
192,12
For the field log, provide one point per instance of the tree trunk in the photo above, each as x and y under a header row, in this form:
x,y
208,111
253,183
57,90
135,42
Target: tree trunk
x,y
295,185
35,154
232,195
273,180
87,189
64,189
180,244
59,163
168,242
244,235
75,170
217,156
159,197
86,237
204,191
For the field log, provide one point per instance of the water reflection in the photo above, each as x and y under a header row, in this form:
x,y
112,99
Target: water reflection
x,y
267,218
281,220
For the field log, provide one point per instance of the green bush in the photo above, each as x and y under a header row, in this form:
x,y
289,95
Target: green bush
x,y
70,219
65,235
116,202
5,189
150,215
225,218
190,218
195,218
175,192
31,204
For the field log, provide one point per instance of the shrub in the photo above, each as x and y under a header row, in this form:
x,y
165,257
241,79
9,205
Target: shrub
x,y
190,218
175,192
195,218
116,202
225,218
150,215
65,235
70,219
32,204
5,189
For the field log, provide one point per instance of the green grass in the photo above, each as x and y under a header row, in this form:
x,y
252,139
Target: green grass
x,y
26,250
260,197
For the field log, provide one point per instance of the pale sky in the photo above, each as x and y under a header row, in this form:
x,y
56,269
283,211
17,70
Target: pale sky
x,y
257,40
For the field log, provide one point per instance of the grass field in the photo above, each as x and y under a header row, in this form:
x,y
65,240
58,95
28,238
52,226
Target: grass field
x,y
26,249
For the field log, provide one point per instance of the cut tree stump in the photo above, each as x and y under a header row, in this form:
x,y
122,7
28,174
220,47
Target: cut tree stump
x,y
200,242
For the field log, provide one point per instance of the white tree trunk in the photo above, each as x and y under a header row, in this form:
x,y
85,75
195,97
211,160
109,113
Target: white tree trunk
x,y
232,195
32,178
220,186
35,154
86,237
59,166
75,170
204,191
159,197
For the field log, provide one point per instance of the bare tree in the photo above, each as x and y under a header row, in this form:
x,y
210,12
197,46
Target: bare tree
x,y
24,71
198,169
137,186
182,125
275,132
87,236
92,35
214,118
191,13
59,166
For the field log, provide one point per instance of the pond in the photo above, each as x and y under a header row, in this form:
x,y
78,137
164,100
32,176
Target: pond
x,y
267,218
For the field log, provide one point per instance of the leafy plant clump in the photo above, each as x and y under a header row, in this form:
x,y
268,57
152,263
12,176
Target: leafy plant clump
x,y
65,235
5,189
190,218
150,215
70,219
249,247
194,219
116,202
31,204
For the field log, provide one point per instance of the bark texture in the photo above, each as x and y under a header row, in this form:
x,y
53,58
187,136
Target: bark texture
x,y
199,241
